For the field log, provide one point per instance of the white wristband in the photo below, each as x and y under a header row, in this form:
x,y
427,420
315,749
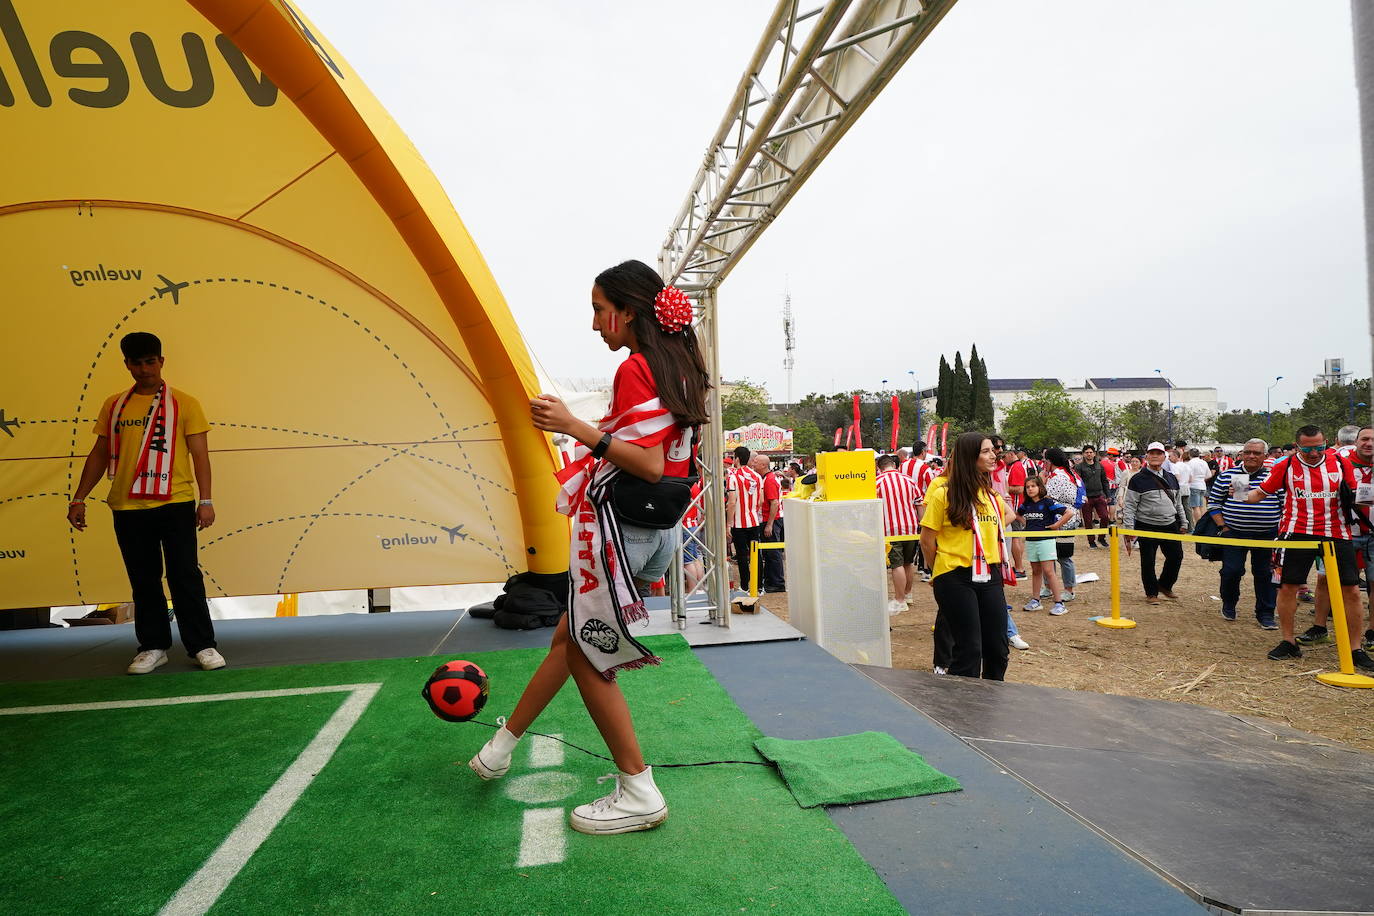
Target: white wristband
x,y
207,502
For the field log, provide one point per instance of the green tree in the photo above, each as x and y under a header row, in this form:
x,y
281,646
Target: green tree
x,y
942,389
1046,417
960,391
1237,426
807,438
1334,407
745,403
1193,425
982,395
1143,422
1106,422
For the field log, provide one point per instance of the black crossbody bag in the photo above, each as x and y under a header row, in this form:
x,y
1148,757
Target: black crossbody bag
x,y
653,505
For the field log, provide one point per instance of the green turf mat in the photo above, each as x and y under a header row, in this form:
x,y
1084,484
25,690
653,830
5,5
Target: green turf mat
x,y
111,811
869,766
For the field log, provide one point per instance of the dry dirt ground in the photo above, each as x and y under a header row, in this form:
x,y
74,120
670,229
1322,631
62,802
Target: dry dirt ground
x,y
1172,646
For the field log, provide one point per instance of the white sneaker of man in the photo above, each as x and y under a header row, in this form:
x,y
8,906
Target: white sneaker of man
x,y
147,661
636,804
493,760
209,659
1018,643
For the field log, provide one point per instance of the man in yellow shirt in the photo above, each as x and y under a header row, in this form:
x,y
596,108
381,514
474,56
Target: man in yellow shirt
x,y
149,440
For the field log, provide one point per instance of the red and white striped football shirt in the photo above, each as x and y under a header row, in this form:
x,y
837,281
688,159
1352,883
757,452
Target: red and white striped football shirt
x,y
1312,503
747,486
898,493
921,471
772,490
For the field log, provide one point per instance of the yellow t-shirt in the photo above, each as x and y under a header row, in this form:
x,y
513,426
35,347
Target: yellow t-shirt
x,y
190,420
953,543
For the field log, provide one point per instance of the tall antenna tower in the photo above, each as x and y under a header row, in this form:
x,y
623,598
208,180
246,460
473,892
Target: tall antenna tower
x,y
789,328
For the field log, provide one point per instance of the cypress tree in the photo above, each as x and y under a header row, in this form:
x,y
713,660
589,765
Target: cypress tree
x,y
942,390
961,391
982,396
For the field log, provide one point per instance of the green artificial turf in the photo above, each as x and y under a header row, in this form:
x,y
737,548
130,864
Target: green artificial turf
x,y
112,811
869,766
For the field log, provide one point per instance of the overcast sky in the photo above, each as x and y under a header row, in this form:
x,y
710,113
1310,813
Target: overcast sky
x,y
1082,188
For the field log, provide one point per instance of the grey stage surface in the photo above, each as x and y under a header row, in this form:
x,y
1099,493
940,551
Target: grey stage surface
x,y
1248,815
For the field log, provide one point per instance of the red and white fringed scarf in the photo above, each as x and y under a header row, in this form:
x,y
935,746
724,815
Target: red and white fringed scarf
x,y
153,472
602,598
982,571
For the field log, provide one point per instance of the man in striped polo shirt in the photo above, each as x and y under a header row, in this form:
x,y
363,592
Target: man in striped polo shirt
x,y
743,510
1248,521
1312,479
899,494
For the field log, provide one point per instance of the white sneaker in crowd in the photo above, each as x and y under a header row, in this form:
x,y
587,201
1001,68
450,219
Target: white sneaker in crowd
x,y
1058,610
636,804
1018,643
209,659
895,607
493,760
147,661
1032,605
1066,597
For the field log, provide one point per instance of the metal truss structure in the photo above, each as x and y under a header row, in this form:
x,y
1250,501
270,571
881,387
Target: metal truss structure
x,y
812,75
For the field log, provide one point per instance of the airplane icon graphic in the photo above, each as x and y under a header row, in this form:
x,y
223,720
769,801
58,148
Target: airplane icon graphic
x,y
170,287
453,533
6,424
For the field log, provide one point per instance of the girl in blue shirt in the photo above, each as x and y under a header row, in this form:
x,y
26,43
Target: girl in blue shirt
x,y
1040,513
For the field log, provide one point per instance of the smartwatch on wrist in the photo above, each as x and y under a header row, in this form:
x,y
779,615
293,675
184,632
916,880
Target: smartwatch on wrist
x,y
603,446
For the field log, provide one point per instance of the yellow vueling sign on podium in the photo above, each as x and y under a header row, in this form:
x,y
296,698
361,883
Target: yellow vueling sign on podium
x,y
847,475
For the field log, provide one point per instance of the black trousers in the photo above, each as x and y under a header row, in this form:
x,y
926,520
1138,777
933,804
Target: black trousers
x,y
774,575
1173,559
971,619
742,538
145,536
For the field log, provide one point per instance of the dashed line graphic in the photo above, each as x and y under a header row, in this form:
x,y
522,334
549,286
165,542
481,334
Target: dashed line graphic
x,y
169,294
543,831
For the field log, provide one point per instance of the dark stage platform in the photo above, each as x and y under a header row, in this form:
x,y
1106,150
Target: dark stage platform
x,y
1105,783
1249,816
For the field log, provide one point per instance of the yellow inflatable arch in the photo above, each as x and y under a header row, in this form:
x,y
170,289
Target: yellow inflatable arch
x,y
215,173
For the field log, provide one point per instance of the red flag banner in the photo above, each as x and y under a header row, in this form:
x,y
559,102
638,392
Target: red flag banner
x,y
930,437
839,434
849,436
858,431
944,434
896,420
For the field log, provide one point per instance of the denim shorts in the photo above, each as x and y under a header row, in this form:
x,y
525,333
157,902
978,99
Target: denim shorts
x,y
648,551
1039,550
1196,498
691,543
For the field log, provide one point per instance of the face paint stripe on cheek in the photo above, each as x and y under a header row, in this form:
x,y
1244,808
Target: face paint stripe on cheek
x,y
614,323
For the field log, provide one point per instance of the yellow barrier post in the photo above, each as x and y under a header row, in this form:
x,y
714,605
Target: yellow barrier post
x,y
754,569
1347,676
1116,621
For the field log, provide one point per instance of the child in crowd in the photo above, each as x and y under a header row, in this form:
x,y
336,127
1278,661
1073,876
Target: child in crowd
x,y
1040,513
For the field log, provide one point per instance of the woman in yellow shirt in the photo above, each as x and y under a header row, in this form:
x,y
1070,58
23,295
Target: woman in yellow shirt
x,y
961,539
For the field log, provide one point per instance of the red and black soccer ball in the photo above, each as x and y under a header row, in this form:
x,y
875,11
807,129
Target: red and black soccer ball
x,y
456,691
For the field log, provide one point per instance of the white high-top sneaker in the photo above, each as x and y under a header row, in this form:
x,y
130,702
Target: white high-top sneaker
x,y
636,804
493,760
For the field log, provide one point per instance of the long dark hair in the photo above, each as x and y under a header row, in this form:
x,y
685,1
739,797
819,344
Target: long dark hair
x,y
674,359
966,479
1059,459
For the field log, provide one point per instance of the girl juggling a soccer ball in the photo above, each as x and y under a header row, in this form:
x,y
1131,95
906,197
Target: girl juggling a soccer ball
x,y
658,401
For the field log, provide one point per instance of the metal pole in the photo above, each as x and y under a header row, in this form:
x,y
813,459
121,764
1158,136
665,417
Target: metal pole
x,y
1362,20
713,484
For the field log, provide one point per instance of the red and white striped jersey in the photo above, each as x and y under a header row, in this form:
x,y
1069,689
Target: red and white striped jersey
x,y
921,471
1312,503
898,493
747,485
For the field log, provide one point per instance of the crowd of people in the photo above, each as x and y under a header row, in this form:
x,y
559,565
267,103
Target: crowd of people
x,y
949,519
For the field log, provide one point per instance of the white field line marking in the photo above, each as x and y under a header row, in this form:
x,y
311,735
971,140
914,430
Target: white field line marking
x,y
546,752
177,701
542,838
200,893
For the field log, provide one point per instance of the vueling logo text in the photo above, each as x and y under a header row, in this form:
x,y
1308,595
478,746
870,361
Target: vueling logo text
x,y
105,80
